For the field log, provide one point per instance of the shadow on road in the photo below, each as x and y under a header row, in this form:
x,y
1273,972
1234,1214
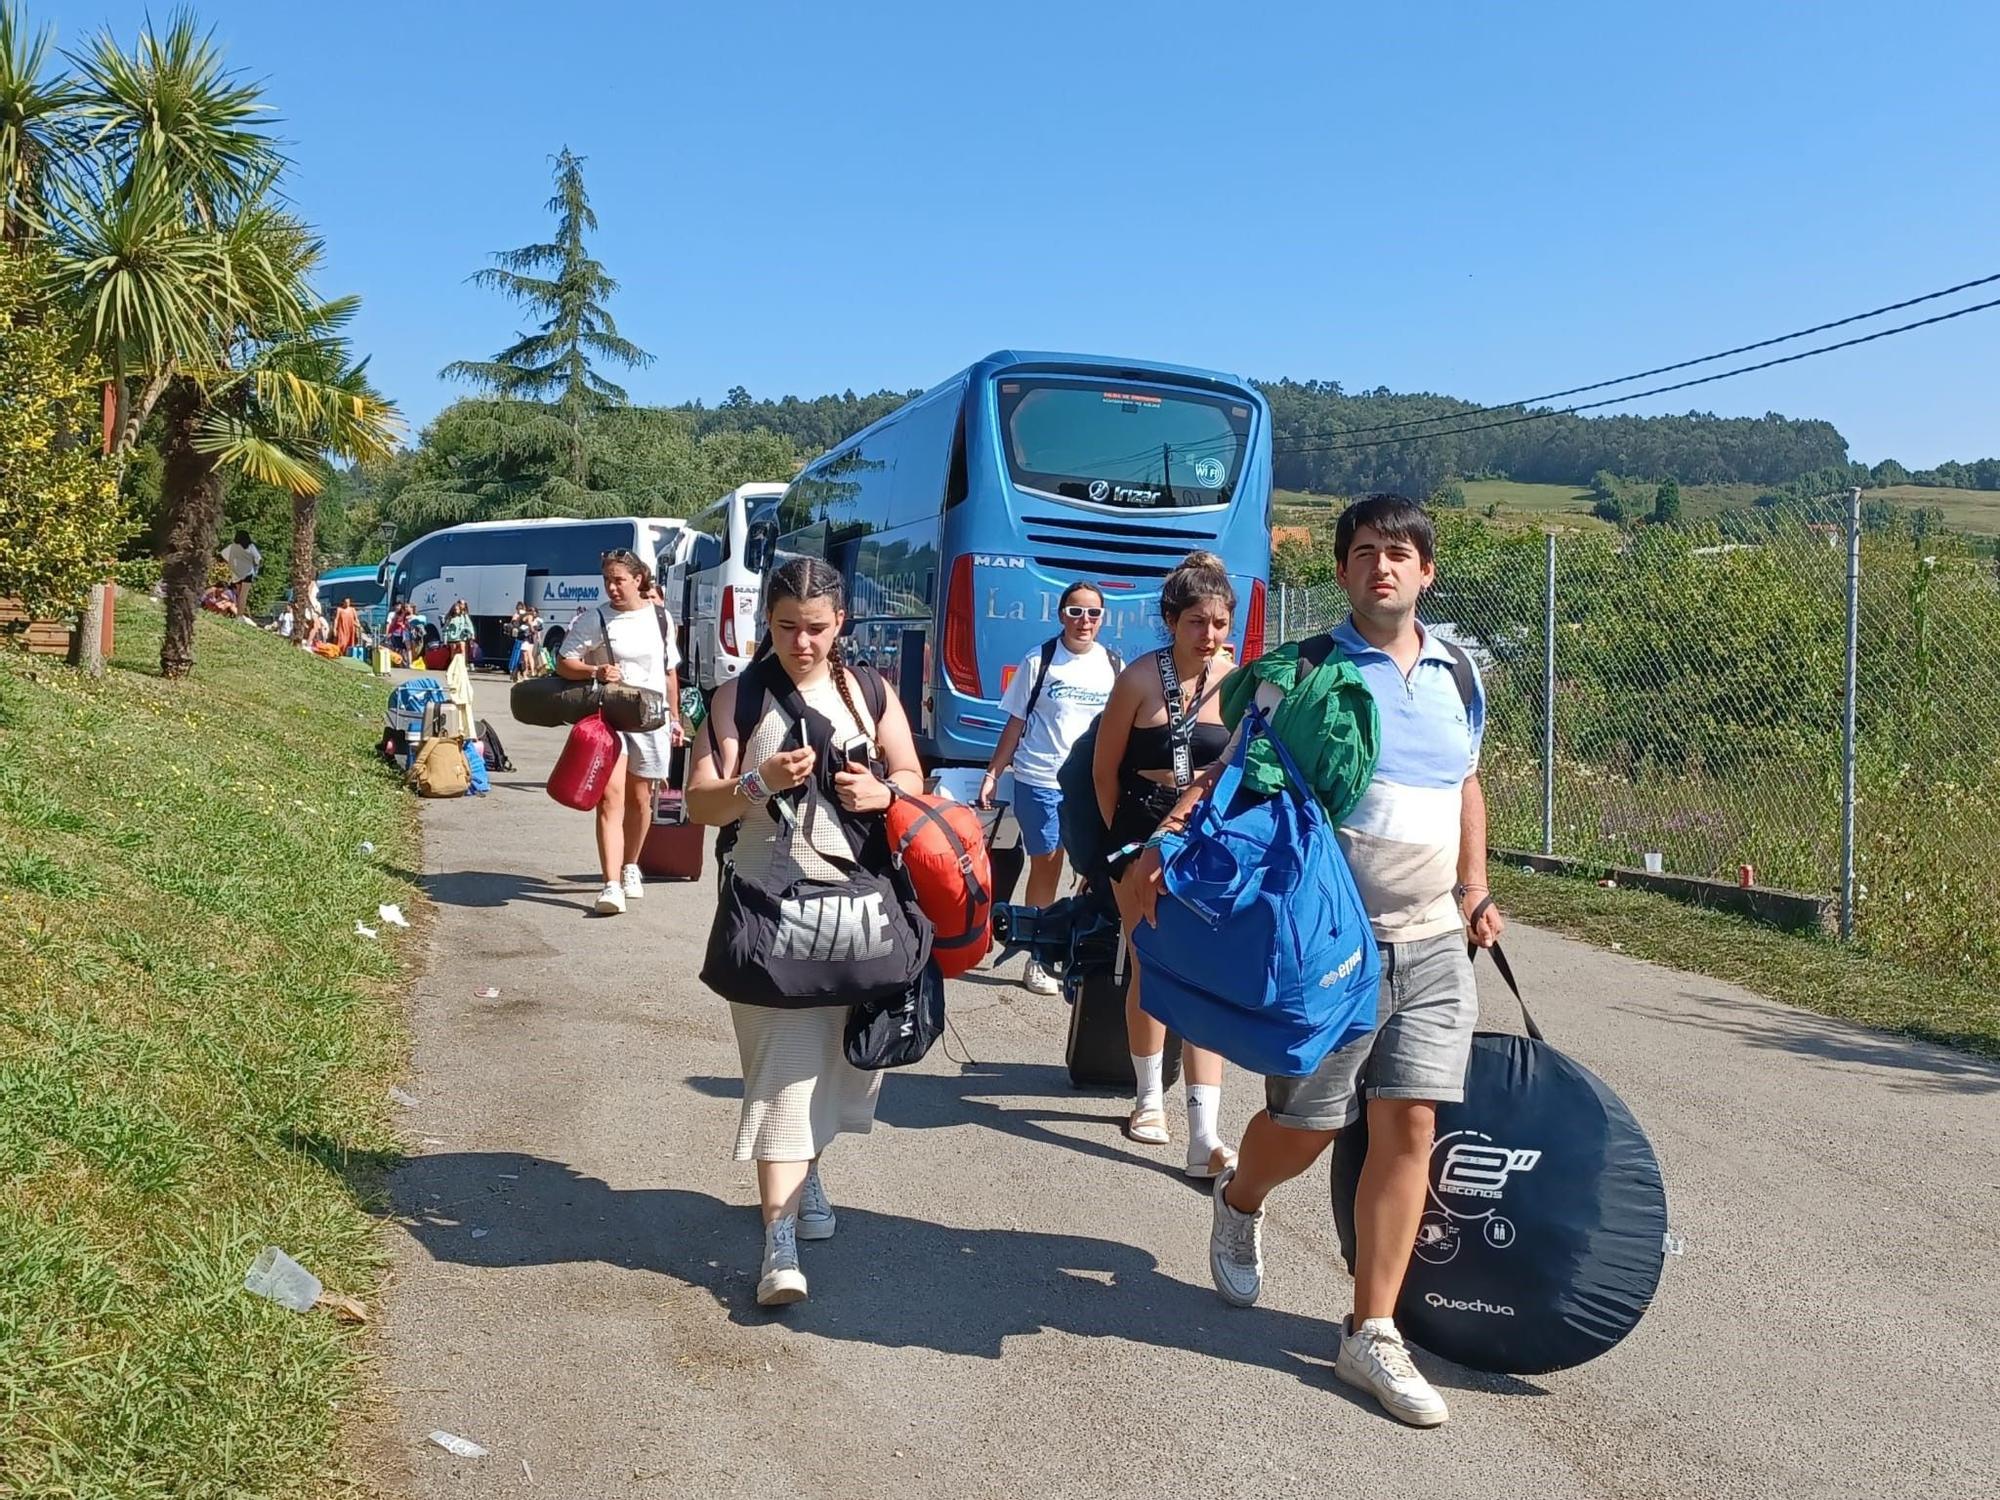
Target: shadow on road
x,y
886,1279
1929,1067
497,888
999,1096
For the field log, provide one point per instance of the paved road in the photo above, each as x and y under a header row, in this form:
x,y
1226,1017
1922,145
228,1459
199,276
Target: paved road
x,y
1018,1300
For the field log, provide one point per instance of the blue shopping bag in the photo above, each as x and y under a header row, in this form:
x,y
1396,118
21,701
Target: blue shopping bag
x,y
1262,950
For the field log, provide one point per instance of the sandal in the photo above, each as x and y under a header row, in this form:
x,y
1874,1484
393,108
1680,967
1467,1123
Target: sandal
x,y
1218,1161
1148,1127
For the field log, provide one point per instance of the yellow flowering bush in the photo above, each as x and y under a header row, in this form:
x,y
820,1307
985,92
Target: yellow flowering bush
x,y
61,520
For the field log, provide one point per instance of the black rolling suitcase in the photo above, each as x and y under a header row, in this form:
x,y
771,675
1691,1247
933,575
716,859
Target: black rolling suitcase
x,y
1098,1052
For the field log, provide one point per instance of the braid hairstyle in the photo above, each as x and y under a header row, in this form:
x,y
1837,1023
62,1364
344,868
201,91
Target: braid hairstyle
x,y
806,578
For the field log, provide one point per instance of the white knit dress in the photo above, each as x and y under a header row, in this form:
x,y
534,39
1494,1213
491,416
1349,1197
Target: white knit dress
x,y
799,1089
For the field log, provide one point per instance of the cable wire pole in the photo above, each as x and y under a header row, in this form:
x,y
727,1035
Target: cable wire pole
x,y
1549,695
1849,707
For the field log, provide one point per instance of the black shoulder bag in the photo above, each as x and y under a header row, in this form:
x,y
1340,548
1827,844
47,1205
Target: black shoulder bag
x,y
855,940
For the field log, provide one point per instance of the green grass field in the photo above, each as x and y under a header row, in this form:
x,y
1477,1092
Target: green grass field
x,y
194,1046
1973,511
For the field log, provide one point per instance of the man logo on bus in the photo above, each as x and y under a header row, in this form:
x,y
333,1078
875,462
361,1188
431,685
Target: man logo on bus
x,y
1475,1170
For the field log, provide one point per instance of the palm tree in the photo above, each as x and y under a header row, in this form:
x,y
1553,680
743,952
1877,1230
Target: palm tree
x,y
555,361
195,290
38,126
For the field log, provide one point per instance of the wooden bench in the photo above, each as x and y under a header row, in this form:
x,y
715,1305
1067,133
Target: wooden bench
x,y
41,637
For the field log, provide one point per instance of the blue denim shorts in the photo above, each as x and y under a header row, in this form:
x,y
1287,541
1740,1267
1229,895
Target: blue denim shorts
x,y
1038,809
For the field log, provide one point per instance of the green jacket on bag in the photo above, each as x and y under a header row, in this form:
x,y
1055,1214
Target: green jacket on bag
x,y
1328,723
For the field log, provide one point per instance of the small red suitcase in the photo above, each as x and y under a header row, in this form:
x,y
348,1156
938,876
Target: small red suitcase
x,y
673,847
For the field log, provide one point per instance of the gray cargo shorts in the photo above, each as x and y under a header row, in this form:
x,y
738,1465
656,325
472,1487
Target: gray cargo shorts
x,y
1419,1049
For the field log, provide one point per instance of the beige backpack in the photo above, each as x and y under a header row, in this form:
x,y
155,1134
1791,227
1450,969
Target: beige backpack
x,y
440,769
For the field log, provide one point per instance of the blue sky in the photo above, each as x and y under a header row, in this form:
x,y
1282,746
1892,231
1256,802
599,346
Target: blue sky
x,y
1488,201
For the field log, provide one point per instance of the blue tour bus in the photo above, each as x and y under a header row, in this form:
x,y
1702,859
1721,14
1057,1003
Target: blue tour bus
x,y
958,520
553,564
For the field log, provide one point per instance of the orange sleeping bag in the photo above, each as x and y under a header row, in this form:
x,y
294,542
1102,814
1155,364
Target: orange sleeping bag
x,y
943,847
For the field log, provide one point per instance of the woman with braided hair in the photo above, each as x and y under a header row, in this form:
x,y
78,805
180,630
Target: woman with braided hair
x,y
799,1090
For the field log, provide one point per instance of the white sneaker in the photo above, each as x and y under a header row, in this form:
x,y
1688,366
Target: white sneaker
x,y
816,1220
1039,981
610,901
1236,1248
1374,1358
635,883
782,1281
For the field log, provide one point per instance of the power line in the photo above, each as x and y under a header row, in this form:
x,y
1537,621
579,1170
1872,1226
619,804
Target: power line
x,y
1686,364
1659,390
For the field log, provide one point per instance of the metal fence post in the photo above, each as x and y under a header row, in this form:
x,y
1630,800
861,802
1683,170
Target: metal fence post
x,y
1284,613
1849,707
1549,696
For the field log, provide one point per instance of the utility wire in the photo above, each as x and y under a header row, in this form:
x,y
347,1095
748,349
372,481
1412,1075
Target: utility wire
x,y
1658,390
1686,364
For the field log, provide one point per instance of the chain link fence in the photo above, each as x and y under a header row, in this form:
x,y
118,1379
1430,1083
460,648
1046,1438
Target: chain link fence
x,y
1701,693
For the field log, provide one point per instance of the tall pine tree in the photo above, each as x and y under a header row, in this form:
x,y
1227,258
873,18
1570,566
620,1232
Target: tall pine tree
x,y
552,365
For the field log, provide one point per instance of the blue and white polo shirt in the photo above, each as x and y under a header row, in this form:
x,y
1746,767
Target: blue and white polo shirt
x,y
1401,839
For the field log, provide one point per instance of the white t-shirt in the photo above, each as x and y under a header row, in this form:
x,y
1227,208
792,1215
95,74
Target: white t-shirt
x,y
643,655
1076,692
243,561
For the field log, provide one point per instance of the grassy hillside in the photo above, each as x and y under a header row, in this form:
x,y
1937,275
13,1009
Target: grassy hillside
x,y
194,1044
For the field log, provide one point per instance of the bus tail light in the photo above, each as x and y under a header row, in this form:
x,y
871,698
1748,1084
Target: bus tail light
x,y
727,623
961,654
1253,623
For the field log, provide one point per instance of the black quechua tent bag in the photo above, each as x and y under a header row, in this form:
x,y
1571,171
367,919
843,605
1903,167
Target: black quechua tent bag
x,y
1545,1228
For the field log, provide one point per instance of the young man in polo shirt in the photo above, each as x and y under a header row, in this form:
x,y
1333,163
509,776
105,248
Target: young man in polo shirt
x,y
1416,842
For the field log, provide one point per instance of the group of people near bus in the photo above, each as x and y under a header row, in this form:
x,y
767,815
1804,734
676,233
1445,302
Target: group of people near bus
x,y
1415,842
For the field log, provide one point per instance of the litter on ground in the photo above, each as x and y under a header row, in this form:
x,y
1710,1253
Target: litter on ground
x,y
451,1442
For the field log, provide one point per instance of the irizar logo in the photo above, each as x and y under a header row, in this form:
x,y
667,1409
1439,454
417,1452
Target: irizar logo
x,y
1439,1300
997,560
833,929
1347,967
1476,1168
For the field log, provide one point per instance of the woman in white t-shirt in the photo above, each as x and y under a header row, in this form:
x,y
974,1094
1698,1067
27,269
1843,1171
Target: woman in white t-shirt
x,y
630,640
1048,712
245,563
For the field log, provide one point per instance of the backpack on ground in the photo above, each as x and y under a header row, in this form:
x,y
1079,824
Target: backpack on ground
x,y
496,753
1262,950
439,769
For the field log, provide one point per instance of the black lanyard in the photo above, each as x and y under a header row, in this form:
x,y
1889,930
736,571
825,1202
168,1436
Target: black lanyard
x,y
1180,727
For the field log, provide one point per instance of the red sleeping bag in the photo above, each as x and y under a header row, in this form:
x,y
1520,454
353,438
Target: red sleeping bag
x,y
586,763
943,847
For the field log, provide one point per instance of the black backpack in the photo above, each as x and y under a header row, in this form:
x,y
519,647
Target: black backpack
x,y
490,746
1042,673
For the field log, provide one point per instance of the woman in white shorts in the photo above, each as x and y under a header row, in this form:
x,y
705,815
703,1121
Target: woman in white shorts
x,y
629,640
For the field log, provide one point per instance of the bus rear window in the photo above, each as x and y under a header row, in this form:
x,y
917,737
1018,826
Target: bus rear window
x,y
1139,447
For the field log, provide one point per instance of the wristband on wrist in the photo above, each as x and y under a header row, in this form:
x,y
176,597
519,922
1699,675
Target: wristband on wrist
x,y
751,785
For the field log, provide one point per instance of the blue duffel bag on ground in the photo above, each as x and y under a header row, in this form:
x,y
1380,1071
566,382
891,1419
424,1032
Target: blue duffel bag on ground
x,y
1262,950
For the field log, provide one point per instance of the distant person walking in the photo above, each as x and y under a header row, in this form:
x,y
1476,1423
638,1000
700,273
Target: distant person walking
x,y
245,563
459,631
346,627
799,1090
1056,695
632,641
1162,725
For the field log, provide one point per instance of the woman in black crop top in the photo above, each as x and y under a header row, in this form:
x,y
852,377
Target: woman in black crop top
x,y
1138,778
